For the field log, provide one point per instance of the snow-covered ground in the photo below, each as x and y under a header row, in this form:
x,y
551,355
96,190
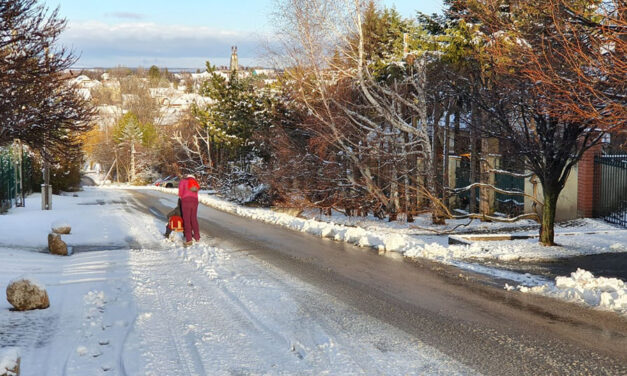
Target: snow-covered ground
x,y
133,303
98,219
585,237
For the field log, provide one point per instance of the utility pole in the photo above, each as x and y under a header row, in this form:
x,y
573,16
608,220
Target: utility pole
x,y
46,189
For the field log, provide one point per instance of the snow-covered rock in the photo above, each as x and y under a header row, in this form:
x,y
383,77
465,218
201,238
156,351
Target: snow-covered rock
x,y
26,294
10,361
61,227
56,245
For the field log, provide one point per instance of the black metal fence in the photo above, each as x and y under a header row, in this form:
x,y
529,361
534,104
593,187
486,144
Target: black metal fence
x,y
611,188
15,178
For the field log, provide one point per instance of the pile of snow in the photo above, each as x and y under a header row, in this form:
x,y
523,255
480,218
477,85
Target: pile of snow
x,y
9,358
583,287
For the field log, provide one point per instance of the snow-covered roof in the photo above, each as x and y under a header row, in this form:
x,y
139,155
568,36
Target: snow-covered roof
x,y
86,82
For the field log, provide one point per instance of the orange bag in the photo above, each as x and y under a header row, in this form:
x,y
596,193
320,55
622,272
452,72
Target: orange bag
x,y
193,185
176,223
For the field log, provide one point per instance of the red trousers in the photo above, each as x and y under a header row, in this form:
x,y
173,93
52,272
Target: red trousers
x,y
189,207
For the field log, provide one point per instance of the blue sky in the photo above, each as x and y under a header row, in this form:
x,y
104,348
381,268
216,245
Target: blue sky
x,y
182,33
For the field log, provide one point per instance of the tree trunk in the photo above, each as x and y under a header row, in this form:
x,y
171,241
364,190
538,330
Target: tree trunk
x,y
132,175
547,230
457,143
485,196
117,167
209,160
445,154
474,157
437,216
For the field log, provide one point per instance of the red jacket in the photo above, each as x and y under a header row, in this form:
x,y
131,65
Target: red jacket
x,y
184,188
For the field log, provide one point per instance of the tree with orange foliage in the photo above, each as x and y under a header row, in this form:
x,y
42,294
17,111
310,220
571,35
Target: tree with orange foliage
x,y
557,81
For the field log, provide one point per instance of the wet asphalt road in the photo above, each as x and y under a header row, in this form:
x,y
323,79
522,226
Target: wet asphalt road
x,y
610,265
495,332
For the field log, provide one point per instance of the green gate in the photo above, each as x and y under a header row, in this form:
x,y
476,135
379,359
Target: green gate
x,y
15,183
512,205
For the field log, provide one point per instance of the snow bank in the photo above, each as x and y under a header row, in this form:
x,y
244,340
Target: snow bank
x,y
391,237
379,240
9,359
583,287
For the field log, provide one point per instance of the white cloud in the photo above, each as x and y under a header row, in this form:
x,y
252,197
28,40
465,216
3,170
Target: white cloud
x,y
144,30
126,15
104,44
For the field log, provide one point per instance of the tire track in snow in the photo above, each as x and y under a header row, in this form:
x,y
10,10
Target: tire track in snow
x,y
314,326
160,323
187,355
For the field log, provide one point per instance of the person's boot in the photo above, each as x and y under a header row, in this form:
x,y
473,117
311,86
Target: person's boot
x,y
187,244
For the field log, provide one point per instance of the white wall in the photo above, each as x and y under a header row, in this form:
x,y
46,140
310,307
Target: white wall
x,y
566,203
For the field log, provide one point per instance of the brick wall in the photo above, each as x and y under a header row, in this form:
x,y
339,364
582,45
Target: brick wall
x,y
587,183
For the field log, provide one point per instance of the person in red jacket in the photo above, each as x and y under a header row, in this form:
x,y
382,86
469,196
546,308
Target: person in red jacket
x,y
188,193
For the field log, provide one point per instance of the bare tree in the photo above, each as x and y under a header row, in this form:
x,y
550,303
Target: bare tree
x,y
379,126
37,102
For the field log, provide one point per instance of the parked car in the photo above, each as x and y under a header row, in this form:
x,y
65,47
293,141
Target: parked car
x,y
160,181
171,182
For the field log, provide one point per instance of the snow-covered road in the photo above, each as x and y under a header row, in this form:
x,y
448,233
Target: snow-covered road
x,y
161,309
255,299
204,311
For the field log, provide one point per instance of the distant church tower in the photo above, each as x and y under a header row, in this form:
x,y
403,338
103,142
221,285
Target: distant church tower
x,y
234,64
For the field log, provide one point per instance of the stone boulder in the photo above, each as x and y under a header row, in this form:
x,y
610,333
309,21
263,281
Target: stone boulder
x,y
26,294
61,228
10,361
56,245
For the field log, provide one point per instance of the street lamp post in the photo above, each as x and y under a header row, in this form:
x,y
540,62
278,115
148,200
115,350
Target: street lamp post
x,y
46,189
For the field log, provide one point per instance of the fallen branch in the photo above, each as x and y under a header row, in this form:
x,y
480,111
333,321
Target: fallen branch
x,y
532,216
498,190
442,232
